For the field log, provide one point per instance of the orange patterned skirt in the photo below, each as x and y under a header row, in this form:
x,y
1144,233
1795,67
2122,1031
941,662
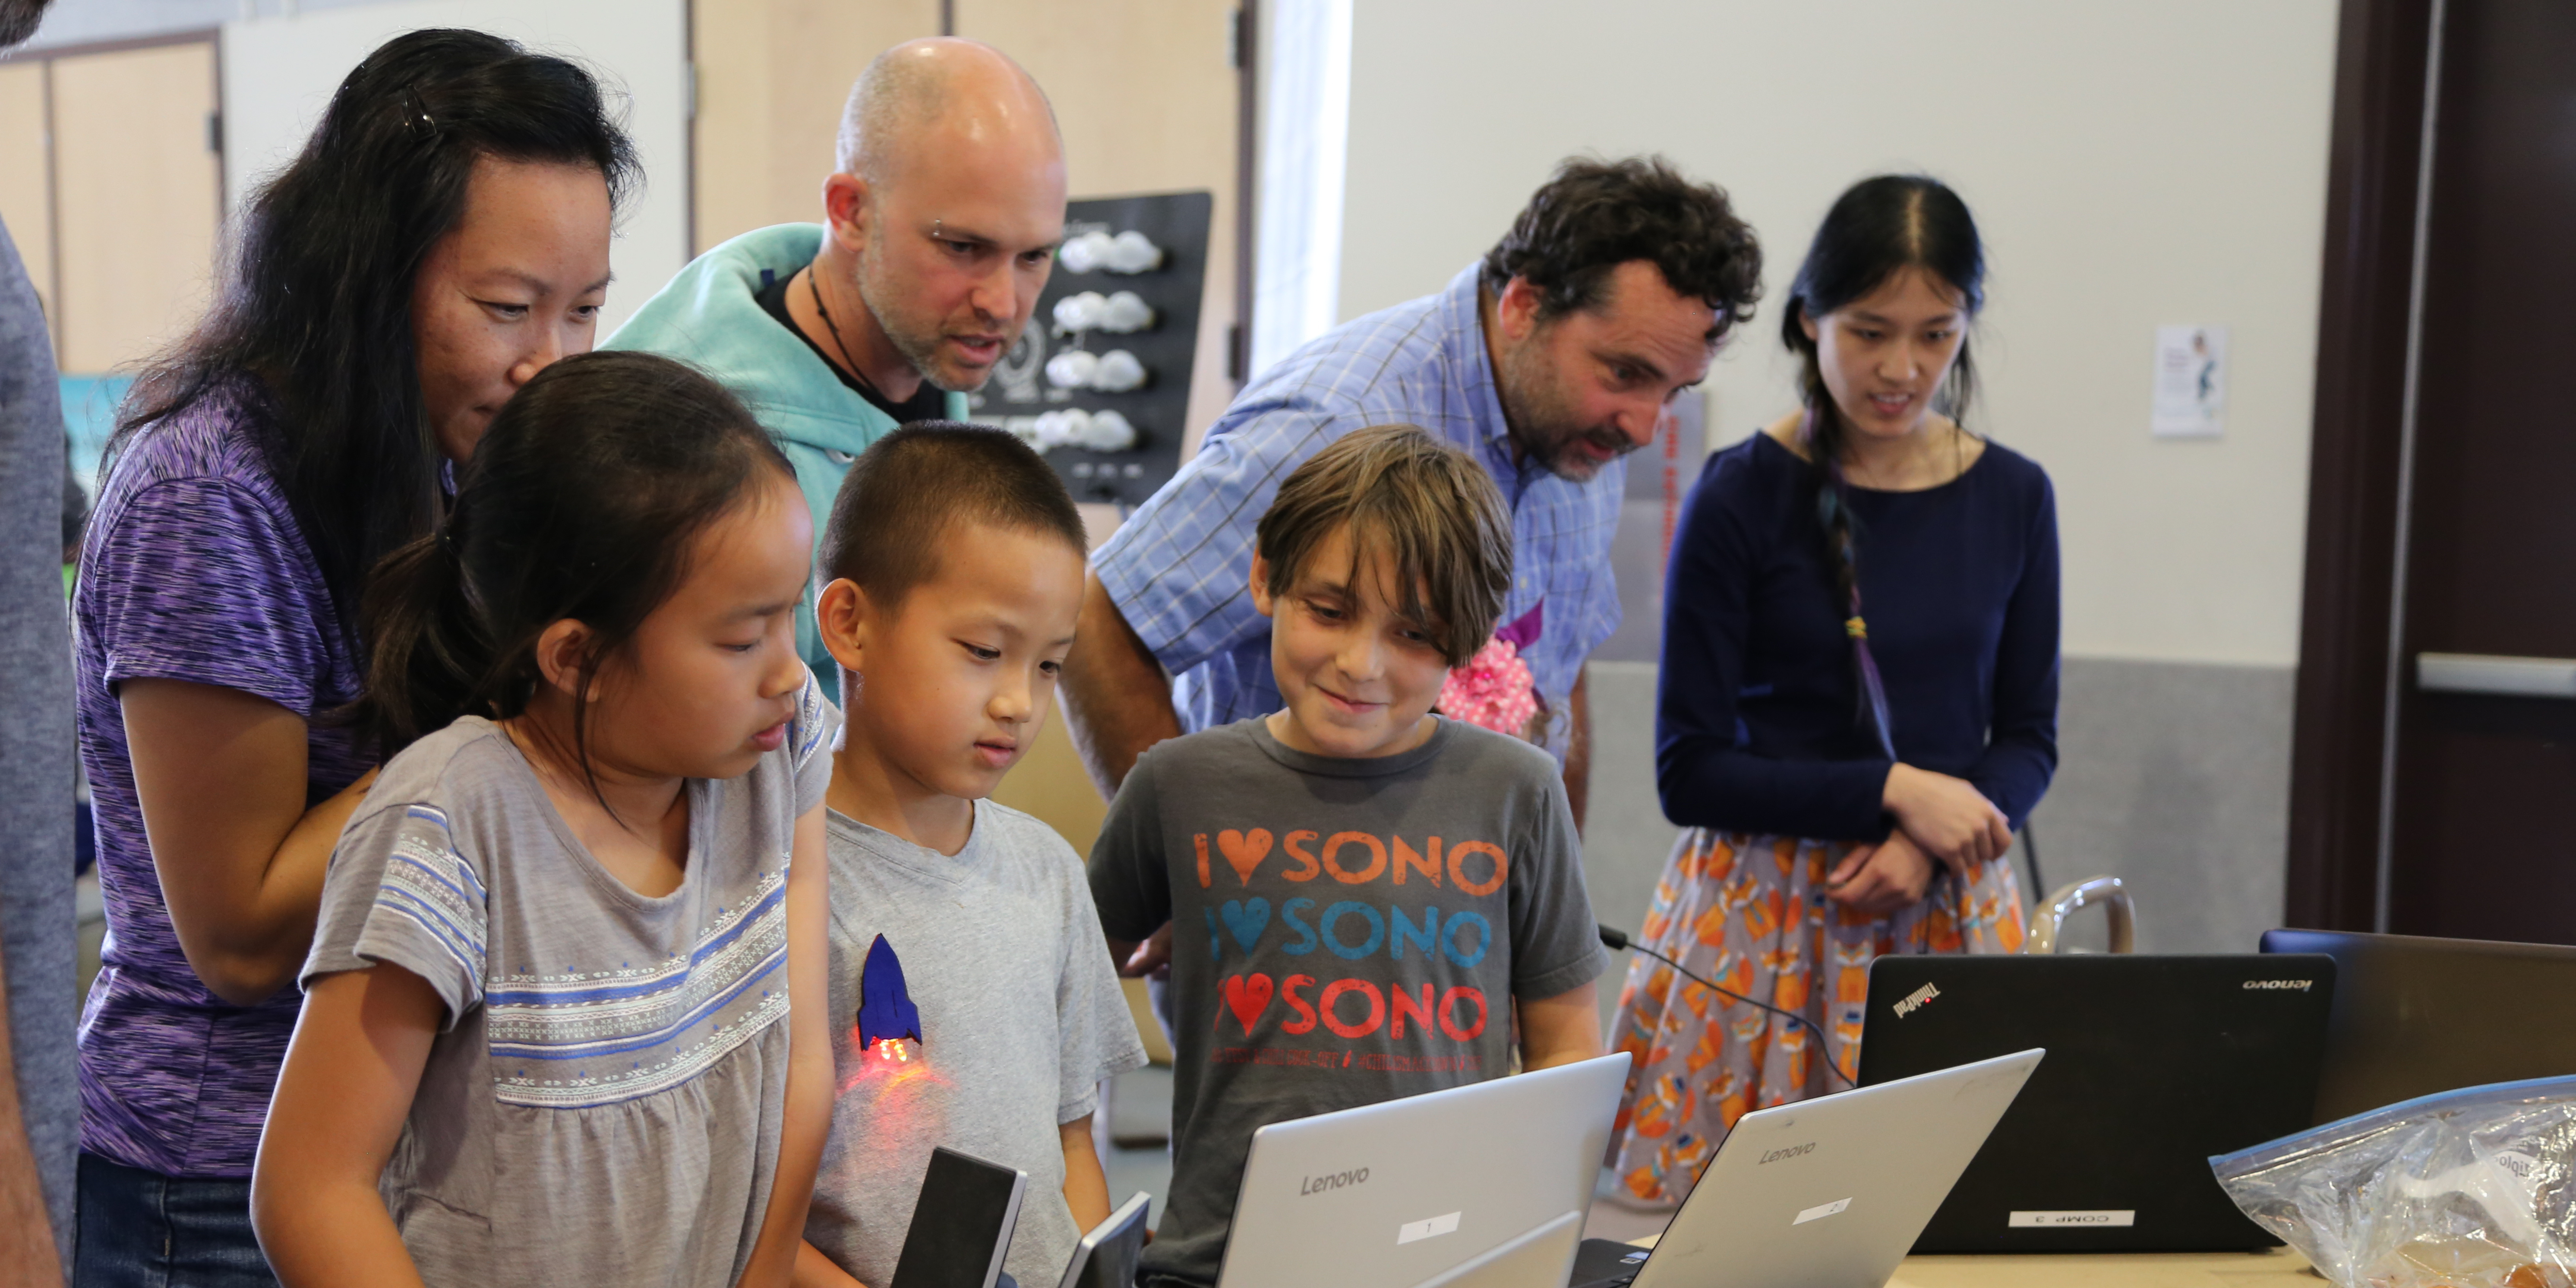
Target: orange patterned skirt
x,y
1750,913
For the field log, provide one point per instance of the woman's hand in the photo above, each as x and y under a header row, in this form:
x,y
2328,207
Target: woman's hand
x,y
1883,879
1947,818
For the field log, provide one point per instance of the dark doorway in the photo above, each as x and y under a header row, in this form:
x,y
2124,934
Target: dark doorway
x,y
2435,761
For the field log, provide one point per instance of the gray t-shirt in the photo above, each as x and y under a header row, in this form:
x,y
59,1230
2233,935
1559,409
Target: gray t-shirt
x,y
1345,932
603,1105
999,953
36,749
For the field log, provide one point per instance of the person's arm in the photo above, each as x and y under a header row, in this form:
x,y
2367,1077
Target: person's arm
x,y
1560,1029
1117,701
2021,742
1947,818
24,1225
1703,777
1086,1186
1556,953
778,1255
814,1270
1578,746
351,1070
1096,1040
1131,891
220,776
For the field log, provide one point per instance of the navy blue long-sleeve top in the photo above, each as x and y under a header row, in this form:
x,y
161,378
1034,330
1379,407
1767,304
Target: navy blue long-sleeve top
x,y
1754,724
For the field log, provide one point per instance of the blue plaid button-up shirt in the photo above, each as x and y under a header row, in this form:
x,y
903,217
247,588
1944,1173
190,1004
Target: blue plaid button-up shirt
x,y
1180,567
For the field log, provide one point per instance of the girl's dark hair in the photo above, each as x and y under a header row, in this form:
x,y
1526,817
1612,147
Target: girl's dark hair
x,y
582,502
1878,228
311,322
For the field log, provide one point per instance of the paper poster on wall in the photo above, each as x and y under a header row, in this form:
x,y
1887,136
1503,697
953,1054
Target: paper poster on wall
x,y
2191,381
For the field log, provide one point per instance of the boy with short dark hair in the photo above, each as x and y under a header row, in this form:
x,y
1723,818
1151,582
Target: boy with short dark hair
x,y
1364,896
977,1007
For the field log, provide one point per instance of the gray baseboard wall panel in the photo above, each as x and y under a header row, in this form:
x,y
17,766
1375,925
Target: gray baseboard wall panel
x,y
2173,776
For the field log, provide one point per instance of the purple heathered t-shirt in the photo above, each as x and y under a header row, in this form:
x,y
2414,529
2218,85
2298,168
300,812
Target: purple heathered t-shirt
x,y
194,570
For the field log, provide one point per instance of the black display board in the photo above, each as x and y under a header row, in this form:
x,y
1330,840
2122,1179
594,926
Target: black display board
x,y
1019,391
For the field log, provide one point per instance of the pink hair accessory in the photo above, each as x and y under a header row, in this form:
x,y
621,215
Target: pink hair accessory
x,y
1494,689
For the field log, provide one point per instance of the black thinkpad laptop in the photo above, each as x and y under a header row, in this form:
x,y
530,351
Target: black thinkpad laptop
x,y
2154,1064
2413,1016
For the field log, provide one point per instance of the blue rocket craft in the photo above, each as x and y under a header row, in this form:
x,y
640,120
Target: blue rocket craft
x,y
885,1005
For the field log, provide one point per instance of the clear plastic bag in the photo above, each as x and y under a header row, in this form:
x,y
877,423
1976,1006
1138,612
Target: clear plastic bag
x,y
2466,1189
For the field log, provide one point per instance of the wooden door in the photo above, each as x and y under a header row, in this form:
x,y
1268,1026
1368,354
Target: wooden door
x,y
2472,498
138,191
2483,844
1147,95
26,174
770,78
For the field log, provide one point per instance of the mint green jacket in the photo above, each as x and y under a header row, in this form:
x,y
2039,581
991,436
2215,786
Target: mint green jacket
x,y
708,317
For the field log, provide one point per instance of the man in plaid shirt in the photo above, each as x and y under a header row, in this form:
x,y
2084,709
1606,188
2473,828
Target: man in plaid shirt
x,y
1548,360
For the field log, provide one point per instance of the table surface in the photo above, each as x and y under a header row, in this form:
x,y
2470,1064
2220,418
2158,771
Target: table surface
x,y
2276,1268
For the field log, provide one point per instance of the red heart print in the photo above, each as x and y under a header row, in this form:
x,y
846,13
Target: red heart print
x,y
1247,996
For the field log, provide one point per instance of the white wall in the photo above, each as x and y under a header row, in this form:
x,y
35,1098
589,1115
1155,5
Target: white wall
x,y
279,73
2130,165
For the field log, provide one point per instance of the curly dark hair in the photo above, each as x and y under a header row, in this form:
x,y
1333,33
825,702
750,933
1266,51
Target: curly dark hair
x,y
1594,215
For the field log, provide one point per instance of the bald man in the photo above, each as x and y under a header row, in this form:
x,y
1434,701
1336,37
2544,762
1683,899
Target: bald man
x,y
941,219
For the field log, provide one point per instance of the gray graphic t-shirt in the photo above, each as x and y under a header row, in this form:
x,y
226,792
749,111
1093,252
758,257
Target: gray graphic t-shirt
x,y
974,1006
604,1104
1345,932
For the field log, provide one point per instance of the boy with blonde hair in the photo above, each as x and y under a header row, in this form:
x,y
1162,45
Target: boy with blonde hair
x,y
1365,896
976,1007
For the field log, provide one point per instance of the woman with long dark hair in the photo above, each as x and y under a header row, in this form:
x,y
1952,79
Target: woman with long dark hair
x,y
442,237
1858,698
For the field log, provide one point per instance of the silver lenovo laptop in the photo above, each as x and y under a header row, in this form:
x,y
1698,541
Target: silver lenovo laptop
x,y
1824,1193
1390,1195
1542,1258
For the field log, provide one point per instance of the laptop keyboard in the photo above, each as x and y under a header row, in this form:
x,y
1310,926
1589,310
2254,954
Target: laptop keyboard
x,y
1605,1263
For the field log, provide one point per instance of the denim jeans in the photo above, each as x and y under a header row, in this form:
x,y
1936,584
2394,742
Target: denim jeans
x,y
141,1229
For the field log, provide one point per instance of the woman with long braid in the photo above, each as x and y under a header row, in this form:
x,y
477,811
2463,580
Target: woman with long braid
x,y
1858,699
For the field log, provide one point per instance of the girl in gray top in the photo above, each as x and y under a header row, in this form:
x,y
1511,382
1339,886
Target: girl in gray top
x,y
548,1036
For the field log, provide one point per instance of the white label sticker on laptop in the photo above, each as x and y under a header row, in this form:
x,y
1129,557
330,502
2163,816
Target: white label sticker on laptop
x,y
1424,1229
1822,1211
2053,1220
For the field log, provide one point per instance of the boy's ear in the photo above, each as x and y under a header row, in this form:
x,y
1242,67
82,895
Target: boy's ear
x,y
840,616
562,650
1261,602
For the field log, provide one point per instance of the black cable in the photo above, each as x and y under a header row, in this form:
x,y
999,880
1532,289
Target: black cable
x,y
1617,938
2030,856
